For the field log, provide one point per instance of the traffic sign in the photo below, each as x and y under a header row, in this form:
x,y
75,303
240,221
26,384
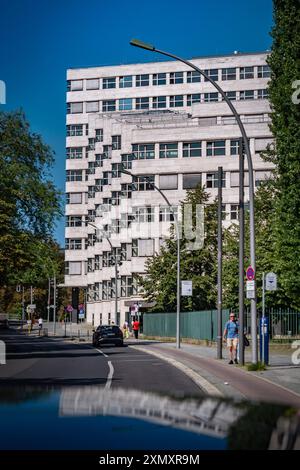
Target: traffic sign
x,y
187,288
69,308
250,273
250,289
271,281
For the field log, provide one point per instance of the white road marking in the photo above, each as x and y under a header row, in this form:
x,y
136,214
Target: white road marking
x,y
110,375
101,352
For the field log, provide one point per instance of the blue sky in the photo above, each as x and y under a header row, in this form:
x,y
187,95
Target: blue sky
x,y
40,39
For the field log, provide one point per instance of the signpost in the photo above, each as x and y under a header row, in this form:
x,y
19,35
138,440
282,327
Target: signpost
x,y
187,288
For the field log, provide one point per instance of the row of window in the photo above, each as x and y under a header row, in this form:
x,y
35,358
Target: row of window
x,y
147,151
170,78
161,102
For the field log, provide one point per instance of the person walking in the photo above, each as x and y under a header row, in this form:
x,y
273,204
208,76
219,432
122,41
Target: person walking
x,y
231,335
40,324
136,327
126,329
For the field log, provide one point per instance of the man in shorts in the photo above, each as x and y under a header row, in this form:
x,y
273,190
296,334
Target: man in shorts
x,y
231,335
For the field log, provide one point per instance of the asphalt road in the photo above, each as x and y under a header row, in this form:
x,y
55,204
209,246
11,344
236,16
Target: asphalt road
x,y
53,361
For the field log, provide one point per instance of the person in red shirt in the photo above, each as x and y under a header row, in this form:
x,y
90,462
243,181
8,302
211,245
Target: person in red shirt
x,y
136,327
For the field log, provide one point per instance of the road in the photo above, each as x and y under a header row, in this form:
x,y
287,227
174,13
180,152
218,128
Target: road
x,y
53,361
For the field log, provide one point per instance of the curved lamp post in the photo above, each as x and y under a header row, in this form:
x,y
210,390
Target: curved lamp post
x,y
116,268
178,251
150,47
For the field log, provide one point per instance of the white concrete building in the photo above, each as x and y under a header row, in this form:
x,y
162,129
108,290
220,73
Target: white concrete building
x,y
162,120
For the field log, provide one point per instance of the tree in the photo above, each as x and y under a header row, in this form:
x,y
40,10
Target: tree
x,y
29,201
285,71
199,265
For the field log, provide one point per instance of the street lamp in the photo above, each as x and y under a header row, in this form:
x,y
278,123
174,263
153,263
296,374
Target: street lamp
x,y
116,268
178,251
150,47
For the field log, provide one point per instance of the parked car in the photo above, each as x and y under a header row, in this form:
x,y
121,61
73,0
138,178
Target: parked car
x,y
108,334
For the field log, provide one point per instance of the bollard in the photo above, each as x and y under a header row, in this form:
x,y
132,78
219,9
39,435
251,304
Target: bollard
x,y
45,332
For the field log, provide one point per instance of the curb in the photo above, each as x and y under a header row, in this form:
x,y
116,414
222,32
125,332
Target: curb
x,y
200,381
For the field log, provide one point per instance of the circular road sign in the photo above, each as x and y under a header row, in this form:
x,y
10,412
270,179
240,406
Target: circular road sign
x,y
250,274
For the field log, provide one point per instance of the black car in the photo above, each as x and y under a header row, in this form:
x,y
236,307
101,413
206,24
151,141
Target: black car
x,y
108,334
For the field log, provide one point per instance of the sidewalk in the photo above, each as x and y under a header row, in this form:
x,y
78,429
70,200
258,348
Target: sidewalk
x,y
279,383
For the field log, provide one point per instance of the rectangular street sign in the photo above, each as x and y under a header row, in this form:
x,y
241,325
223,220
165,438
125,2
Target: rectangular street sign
x,y
271,281
187,288
250,289
32,306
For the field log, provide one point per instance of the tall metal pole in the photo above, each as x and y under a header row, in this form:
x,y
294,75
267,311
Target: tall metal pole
x,y
263,294
23,307
49,300
54,304
241,253
31,295
116,288
219,306
150,47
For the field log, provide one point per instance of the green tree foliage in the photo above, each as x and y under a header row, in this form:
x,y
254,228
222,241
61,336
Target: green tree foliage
x,y
29,202
200,265
285,66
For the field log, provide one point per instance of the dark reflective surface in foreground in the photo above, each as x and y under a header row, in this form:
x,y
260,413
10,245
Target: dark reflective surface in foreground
x,y
95,417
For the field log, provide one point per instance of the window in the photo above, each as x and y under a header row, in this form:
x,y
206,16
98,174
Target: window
x,y
234,147
262,94
212,73
193,77
125,82
116,142
176,77
73,221
92,84
142,80
98,135
74,268
74,108
223,212
231,95
125,104
74,153
246,72
143,183
215,148
106,292
126,286
97,263
191,181
209,97
159,79
263,71
235,179
73,243
74,175
159,102
75,85
169,150
176,101
74,198
97,290
108,105
74,130
168,181
126,160
143,214
109,82
229,74
92,106
192,149
261,176
247,95
234,211
142,247
212,180
143,151
166,214
195,98
142,103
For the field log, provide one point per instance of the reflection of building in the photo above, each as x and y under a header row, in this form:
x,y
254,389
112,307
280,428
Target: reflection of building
x,y
157,119
207,416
